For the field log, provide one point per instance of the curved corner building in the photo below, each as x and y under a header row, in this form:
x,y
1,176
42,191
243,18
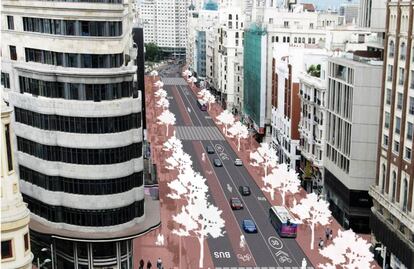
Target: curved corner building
x,y
15,242
68,70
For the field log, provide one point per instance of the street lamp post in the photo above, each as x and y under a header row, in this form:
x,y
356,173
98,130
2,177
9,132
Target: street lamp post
x,y
47,260
39,265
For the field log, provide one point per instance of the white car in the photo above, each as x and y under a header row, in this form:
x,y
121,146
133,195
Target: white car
x,y
238,162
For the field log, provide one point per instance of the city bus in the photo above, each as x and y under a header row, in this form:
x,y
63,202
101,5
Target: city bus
x,y
284,223
202,105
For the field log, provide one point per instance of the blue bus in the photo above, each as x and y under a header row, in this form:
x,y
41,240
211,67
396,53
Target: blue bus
x,y
284,223
202,105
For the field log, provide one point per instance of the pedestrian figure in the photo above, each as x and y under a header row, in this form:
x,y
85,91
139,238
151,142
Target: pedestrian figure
x,y
141,264
203,156
159,263
330,234
327,233
304,263
321,243
149,265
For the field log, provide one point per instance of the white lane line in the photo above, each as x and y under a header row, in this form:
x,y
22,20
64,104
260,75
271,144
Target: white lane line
x,y
250,213
260,204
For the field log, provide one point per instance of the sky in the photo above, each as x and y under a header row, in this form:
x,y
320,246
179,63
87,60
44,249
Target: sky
x,y
323,4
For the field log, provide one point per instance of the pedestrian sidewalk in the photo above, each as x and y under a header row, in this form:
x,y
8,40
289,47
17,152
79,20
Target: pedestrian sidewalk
x,y
304,234
145,246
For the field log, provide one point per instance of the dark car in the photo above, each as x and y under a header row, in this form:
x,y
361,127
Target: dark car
x,y
217,163
235,203
249,226
210,149
244,190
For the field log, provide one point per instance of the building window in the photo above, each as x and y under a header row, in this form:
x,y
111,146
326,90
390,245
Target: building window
x,y
387,120
403,51
5,80
391,48
10,22
401,77
396,146
390,75
74,59
397,125
83,217
26,242
13,53
407,153
80,155
399,100
384,171
8,147
394,186
409,131
411,106
6,249
80,185
405,194
388,97
412,80
386,140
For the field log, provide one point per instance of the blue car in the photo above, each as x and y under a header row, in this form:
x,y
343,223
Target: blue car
x,y
249,226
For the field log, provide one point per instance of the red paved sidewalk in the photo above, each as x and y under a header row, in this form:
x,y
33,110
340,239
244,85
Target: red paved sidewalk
x,y
304,234
144,246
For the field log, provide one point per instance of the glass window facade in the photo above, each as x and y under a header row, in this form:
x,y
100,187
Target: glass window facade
x,y
82,186
76,91
80,156
74,59
85,217
78,124
72,27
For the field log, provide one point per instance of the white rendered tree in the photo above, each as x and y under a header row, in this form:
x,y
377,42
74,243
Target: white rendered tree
x,y
239,131
271,183
202,92
187,73
154,73
349,251
186,187
173,144
201,219
192,80
161,93
159,84
288,178
163,103
312,211
179,160
226,118
166,118
209,99
264,156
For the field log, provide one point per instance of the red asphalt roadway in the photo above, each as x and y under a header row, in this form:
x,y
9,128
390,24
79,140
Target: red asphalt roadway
x,y
145,247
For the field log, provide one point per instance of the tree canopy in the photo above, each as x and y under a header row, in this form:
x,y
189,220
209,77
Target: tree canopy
x,y
152,52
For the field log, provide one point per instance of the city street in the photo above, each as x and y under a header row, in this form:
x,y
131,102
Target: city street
x,y
197,130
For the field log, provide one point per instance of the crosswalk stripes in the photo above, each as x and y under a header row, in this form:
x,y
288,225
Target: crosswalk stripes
x,y
198,133
174,81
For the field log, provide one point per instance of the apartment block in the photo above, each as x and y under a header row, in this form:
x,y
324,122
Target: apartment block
x,y
352,109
